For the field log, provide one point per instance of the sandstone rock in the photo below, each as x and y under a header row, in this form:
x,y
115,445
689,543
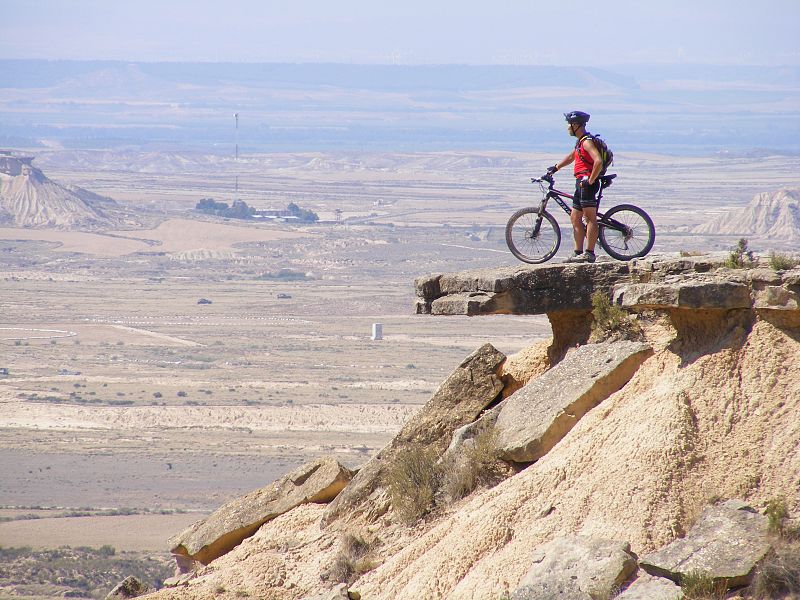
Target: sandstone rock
x,y
473,386
535,289
535,418
709,295
551,590
776,297
696,283
470,431
318,481
473,303
338,592
130,587
651,588
726,543
576,567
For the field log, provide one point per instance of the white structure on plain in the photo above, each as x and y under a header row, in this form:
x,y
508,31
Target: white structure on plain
x,y
377,331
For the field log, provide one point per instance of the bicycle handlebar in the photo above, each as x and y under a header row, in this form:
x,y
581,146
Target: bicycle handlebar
x,y
546,177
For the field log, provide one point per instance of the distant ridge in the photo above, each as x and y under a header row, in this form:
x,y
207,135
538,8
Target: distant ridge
x,y
29,199
775,215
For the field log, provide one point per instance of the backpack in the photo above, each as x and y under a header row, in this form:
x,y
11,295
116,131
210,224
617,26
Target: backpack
x,y
606,154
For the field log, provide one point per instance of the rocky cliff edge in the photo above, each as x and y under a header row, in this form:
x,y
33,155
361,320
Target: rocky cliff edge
x,y
626,460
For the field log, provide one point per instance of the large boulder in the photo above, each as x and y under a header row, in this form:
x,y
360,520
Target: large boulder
x,y
534,419
726,544
576,568
318,481
474,385
647,587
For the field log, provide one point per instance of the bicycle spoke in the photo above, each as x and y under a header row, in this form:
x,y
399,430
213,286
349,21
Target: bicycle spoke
x,y
636,236
531,238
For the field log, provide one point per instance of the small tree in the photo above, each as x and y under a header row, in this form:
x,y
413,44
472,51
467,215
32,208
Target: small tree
x,y
741,257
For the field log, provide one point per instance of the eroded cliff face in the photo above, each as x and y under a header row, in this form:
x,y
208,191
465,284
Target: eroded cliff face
x,y
29,199
709,413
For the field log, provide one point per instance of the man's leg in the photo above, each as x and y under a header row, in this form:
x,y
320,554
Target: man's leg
x,y
578,229
590,212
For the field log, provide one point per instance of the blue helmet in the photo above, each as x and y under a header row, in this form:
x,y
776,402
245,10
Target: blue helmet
x,y
577,117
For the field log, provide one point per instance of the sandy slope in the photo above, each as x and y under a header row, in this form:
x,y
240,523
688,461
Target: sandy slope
x,y
694,424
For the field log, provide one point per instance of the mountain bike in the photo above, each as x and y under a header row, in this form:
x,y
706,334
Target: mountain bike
x,y
533,234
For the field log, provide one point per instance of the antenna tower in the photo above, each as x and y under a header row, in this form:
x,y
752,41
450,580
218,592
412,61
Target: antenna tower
x,y
236,156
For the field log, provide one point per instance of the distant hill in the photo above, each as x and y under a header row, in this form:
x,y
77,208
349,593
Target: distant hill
x,y
29,199
775,215
399,108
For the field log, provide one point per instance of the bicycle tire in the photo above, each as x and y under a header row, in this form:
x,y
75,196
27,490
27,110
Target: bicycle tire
x,y
523,245
638,240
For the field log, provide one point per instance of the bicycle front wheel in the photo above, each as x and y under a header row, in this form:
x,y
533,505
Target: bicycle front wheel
x,y
533,238
626,232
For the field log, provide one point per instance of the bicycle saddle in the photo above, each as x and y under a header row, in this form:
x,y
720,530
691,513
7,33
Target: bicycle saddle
x,y
605,180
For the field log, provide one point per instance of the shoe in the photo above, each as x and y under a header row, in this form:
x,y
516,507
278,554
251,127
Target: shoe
x,y
577,258
589,257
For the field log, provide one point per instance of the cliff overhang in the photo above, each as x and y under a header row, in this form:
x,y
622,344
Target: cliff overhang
x,y
656,283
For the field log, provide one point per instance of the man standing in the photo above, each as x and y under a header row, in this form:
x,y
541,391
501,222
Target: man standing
x,y
588,165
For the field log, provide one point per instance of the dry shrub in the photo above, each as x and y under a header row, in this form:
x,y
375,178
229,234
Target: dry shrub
x,y
352,560
777,512
782,262
611,322
477,464
412,480
778,575
697,585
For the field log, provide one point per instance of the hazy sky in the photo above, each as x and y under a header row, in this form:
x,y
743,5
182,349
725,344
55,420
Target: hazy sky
x,y
562,32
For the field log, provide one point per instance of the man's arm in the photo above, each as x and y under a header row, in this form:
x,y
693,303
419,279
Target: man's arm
x,y
565,161
597,165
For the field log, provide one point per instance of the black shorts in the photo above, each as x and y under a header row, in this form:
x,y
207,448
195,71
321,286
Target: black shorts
x,y
585,197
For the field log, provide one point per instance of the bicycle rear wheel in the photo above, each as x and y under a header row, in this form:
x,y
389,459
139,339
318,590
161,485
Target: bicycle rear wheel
x,y
531,238
632,235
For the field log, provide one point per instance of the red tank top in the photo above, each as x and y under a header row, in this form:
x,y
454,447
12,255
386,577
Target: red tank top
x,y
583,160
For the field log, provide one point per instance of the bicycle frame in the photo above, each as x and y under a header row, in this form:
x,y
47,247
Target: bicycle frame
x,y
553,194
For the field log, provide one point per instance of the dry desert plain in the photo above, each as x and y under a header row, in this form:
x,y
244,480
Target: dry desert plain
x,y
123,392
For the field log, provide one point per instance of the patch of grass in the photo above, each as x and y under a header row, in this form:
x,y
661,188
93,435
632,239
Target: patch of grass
x,y
477,464
782,262
353,559
610,321
741,257
697,585
778,575
777,512
412,481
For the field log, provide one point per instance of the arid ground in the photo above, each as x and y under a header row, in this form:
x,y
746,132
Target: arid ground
x,y
124,392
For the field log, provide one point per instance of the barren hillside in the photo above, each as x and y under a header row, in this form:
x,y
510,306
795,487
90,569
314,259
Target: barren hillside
x,y
775,215
29,199
708,414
